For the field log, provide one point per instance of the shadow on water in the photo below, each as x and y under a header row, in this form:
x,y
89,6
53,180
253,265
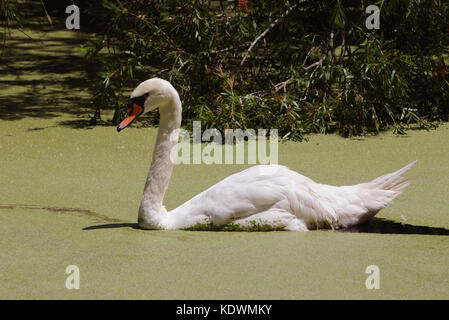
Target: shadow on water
x,y
61,210
44,75
384,226
113,226
78,124
376,225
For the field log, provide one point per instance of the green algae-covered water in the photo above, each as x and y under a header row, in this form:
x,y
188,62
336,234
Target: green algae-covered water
x,y
69,195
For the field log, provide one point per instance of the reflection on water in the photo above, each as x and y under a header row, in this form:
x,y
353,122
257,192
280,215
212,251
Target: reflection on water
x,y
378,225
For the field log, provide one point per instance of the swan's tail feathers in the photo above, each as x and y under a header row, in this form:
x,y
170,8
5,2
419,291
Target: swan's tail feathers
x,y
393,181
358,203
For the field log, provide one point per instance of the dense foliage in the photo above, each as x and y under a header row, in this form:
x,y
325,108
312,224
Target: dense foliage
x,y
300,66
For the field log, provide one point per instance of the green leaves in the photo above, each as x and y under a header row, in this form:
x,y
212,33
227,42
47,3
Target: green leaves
x,y
318,69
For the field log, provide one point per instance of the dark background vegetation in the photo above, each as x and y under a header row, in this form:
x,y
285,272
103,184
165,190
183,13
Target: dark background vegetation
x,y
300,66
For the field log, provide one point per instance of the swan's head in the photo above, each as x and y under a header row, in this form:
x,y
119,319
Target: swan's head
x,y
147,96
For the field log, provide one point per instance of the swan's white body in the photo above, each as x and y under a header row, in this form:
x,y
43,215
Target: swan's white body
x,y
267,195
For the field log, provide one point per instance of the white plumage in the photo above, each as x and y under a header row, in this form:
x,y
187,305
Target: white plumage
x,y
267,195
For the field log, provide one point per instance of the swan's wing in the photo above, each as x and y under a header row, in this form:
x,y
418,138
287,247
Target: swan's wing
x,y
261,189
254,190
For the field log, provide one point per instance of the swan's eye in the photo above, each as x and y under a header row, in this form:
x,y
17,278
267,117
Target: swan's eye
x,y
140,101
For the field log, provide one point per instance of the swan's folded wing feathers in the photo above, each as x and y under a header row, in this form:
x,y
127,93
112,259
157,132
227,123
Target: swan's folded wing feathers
x,y
254,191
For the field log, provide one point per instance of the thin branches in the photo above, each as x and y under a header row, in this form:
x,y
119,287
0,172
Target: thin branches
x,y
50,21
271,26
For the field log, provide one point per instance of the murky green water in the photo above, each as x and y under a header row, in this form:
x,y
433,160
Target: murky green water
x,y
70,196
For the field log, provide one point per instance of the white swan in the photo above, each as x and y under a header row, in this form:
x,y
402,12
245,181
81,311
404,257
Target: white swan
x,y
280,198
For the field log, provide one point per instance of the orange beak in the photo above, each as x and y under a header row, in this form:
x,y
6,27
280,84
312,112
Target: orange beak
x,y
133,112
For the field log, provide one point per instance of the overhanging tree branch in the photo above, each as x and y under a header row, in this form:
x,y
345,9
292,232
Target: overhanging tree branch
x,y
271,26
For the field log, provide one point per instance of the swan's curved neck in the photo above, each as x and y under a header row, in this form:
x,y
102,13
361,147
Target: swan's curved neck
x,y
151,211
